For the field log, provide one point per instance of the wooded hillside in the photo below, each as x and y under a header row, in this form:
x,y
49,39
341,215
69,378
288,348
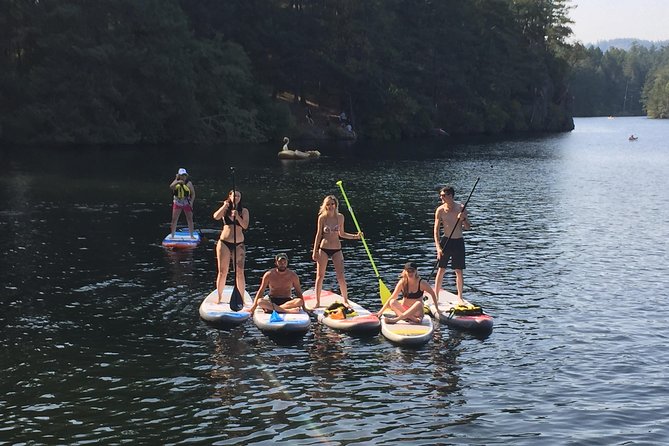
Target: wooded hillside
x,y
123,71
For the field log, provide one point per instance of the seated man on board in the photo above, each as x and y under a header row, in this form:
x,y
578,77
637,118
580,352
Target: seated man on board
x,y
281,282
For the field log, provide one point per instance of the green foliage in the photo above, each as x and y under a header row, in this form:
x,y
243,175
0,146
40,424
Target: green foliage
x,y
209,70
126,71
656,93
614,82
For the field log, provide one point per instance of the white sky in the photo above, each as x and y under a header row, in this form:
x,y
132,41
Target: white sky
x,y
596,20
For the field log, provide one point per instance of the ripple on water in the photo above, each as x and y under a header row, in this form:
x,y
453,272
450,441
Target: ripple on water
x,y
101,340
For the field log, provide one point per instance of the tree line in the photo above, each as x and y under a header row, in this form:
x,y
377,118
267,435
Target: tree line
x,y
620,82
151,71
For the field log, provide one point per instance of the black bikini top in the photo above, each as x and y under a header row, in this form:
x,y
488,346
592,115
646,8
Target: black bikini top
x,y
417,295
227,220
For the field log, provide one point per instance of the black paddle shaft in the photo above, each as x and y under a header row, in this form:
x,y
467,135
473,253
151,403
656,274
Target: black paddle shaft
x,y
455,225
236,300
234,226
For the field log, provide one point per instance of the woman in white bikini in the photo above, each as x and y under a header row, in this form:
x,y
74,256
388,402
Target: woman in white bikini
x,y
327,245
235,221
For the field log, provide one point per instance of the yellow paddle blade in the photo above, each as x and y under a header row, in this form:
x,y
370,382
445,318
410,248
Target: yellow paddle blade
x,y
385,292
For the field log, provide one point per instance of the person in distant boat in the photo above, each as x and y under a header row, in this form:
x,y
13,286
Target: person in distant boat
x,y
281,282
448,216
183,197
633,138
327,245
235,219
412,288
285,144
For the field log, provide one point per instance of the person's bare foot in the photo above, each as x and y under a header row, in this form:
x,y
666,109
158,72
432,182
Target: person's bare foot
x,y
390,320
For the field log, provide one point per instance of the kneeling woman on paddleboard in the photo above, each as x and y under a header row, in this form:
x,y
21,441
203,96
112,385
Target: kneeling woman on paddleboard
x,y
231,242
412,288
327,245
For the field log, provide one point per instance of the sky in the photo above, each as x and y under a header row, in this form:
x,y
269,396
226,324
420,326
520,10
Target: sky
x,y
596,20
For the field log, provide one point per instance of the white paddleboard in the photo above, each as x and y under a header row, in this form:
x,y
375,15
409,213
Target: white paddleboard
x,y
278,324
221,313
406,333
182,239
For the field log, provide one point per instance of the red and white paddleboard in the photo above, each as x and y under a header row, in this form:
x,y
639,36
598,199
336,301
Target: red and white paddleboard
x,y
448,302
363,322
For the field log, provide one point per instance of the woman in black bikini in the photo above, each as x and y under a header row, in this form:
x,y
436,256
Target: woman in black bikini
x,y
235,220
412,288
327,245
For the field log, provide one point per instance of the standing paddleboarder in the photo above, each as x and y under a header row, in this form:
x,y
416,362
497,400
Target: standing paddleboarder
x,y
452,217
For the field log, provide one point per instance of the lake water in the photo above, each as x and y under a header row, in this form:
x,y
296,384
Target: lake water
x,y
100,339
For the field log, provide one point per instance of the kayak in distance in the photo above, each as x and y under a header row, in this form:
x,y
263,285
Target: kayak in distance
x,y
298,154
332,313
407,333
182,239
466,317
221,313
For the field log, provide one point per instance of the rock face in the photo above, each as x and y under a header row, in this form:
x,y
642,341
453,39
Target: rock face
x,y
551,110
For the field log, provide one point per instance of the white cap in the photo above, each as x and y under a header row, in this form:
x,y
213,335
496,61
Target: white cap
x,y
182,171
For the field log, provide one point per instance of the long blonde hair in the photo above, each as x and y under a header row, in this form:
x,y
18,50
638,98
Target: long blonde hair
x,y
324,207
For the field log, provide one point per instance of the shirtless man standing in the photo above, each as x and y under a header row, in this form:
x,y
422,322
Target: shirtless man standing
x,y
281,281
447,216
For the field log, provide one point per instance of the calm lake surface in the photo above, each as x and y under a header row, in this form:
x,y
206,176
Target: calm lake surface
x,y
100,339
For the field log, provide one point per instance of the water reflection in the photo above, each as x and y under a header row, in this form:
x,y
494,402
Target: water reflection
x,y
101,335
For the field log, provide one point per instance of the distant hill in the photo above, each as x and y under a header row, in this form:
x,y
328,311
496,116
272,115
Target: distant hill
x,y
626,44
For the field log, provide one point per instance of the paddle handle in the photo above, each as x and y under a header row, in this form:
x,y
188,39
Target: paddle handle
x,y
357,226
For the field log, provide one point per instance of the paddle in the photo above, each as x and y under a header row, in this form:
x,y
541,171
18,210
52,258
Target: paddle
x,y
202,236
383,289
453,230
236,301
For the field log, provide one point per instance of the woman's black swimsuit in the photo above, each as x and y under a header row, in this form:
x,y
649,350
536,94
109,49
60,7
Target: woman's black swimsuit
x,y
330,252
417,295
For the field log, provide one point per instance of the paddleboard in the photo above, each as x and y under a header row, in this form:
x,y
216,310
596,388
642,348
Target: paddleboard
x,y
182,239
481,323
282,324
222,314
407,333
364,322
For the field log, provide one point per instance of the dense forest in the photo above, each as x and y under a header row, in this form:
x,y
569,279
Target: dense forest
x,y
127,71
620,82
